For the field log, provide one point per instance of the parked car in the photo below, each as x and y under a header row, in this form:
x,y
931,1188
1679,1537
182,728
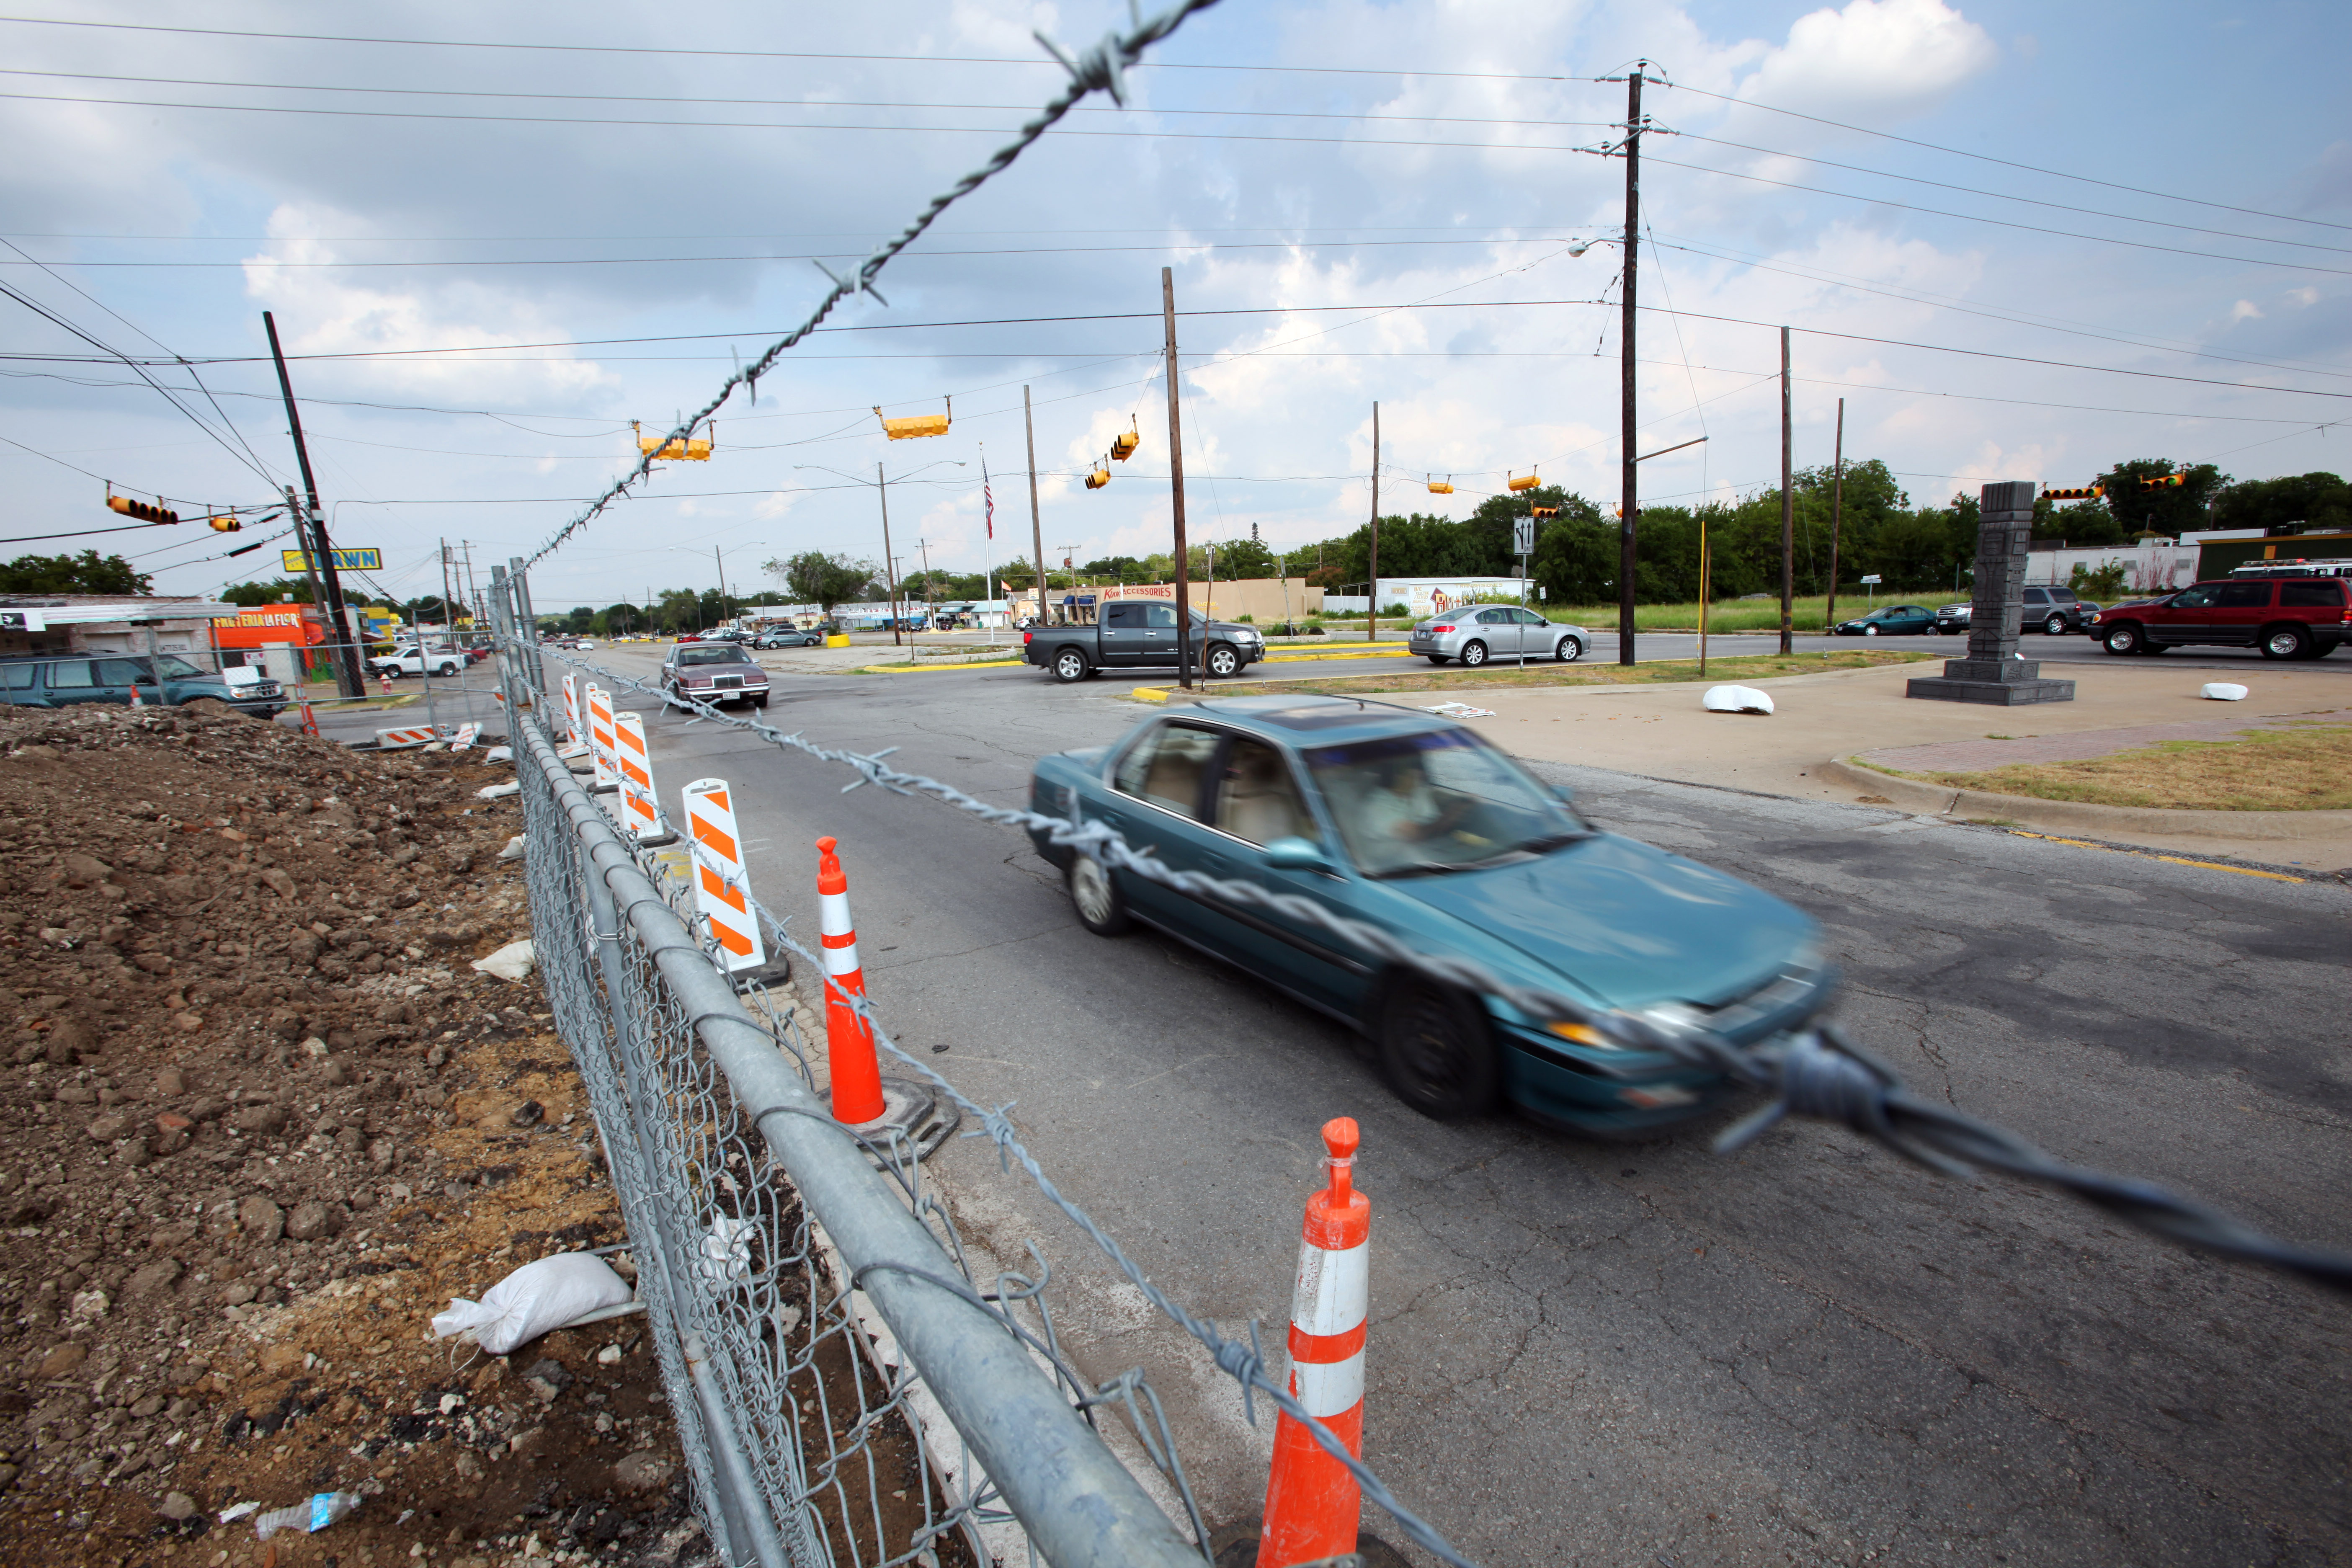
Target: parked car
x,y
716,672
1415,825
2056,611
412,659
44,680
1139,634
1476,632
786,636
2286,618
1952,620
1896,620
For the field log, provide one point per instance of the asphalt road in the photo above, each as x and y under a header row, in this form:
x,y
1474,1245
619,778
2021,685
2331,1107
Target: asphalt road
x,y
1602,1353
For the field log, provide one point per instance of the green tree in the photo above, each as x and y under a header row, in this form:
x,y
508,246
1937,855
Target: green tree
x,y
1236,559
277,590
823,579
2167,510
2317,500
619,620
86,572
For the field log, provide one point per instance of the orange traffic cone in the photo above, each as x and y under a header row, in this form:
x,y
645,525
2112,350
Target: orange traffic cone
x,y
1311,1500
848,1038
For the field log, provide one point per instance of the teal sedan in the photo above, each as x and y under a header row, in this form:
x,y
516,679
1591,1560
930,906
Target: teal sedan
x,y
1896,620
1416,825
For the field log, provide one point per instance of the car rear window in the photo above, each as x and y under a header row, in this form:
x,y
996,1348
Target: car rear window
x,y
20,677
725,653
2241,595
2324,594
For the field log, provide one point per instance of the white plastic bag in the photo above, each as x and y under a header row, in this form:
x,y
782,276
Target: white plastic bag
x,y
532,1299
2224,691
1736,700
512,962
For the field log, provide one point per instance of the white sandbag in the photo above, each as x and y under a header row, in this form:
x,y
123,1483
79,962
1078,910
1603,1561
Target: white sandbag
x,y
532,1299
1736,700
512,962
497,792
2224,692
499,755
513,851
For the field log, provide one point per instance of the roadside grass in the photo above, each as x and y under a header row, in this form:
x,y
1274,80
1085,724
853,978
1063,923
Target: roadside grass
x,y
1745,667
1806,614
2306,767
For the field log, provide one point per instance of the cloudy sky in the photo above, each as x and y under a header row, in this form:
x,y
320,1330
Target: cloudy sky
x,y
2020,241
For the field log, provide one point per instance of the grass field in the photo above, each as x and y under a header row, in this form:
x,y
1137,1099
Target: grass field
x,y
1748,667
2306,767
1723,616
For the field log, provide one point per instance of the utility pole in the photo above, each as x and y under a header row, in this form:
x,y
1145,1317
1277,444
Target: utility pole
x,y
889,568
1837,509
311,569
1176,488
348,680
448,616
721,560
1788,513
1628,491
1036,529
1373,617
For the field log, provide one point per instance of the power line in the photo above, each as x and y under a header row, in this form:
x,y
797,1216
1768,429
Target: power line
x,y
2005,163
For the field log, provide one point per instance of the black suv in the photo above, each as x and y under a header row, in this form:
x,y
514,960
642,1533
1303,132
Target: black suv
x,y
48,680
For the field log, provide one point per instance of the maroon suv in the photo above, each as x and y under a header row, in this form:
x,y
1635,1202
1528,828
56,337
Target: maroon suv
x,y
2286,618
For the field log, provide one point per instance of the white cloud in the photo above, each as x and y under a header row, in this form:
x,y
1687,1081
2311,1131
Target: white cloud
x,y
2246,310
1874,61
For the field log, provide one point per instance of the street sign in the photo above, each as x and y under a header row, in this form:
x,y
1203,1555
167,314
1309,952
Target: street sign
x,y
345,559
1872,578
1523,536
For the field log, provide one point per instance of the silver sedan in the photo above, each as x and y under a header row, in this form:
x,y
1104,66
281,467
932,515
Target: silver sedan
x,y
1476,632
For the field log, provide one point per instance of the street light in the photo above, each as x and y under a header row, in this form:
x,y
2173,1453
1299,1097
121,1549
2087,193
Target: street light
x,y
882,488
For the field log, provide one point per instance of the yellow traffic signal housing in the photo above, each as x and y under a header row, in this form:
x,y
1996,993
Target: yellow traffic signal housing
x,y
224,524
2092,492
1527,481
919,424
1446,489
141,509
692,449
1099,478
1122,448
2172,479
1542,512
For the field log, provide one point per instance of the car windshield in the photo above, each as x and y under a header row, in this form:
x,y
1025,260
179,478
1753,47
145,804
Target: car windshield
x,y
1441,800
175,668
724,653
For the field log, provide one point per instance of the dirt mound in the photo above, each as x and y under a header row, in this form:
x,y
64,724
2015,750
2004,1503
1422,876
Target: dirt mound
x,y
259,1120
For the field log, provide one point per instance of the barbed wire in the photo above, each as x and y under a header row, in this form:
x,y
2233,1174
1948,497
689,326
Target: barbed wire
x,y
1815,1073
1101,69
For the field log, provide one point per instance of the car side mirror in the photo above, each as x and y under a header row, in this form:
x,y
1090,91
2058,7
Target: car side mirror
x,y
1294,854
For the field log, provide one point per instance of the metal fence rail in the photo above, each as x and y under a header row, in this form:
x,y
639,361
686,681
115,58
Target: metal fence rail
x,y
804,1292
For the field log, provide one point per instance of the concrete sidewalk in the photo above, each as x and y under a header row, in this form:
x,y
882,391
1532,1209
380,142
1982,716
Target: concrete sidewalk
x,y
1662,731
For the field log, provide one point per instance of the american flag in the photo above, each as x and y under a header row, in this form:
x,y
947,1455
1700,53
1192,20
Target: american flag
x,y
988,495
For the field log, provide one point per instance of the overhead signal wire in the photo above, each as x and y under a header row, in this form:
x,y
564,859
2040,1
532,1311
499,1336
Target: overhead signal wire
x,y
2005,163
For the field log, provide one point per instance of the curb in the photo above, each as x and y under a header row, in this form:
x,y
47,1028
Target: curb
x,y
1942,800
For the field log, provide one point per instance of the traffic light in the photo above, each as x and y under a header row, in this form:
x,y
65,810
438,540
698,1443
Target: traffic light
x,y
224,524
2172,479
141,509
1542,512
2092,492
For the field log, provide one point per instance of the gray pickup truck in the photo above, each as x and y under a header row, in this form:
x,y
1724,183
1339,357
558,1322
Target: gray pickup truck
x,y
1140,634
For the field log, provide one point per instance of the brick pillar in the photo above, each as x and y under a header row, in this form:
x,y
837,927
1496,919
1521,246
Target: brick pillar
x,y
1993,673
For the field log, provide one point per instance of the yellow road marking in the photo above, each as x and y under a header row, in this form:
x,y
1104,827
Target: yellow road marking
x,y
2150,854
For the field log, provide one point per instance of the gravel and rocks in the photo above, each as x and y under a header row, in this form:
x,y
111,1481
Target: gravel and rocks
x,y
260,1118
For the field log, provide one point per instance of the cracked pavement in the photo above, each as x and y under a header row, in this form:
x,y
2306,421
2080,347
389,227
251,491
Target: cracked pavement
x,y
1604,1353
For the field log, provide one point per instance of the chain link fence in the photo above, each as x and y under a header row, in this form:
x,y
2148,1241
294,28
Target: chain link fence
x,y
845,1391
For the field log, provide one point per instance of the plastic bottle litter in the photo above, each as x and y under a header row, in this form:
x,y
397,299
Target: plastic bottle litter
x,y
310,1518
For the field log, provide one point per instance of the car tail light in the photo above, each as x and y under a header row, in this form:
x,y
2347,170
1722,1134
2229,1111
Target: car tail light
x,y
1446,627
1028,637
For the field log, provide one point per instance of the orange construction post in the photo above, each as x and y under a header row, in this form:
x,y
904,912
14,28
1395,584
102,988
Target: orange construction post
x,y
1312,1502
848,1039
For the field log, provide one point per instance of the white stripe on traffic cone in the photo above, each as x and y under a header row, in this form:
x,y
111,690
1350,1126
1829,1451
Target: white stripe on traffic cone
x,y
721,886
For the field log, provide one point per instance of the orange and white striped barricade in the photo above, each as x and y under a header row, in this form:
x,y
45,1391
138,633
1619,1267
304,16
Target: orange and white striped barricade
x,y
401,739
640,804
600,738
571,707
1312,1501
467,734
722,888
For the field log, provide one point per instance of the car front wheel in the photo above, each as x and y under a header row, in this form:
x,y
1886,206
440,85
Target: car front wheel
x,y
1069,666
1437,1052
1570,650
1223,662
2055,626
2287,642
1097,899
2123,640
1473,654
